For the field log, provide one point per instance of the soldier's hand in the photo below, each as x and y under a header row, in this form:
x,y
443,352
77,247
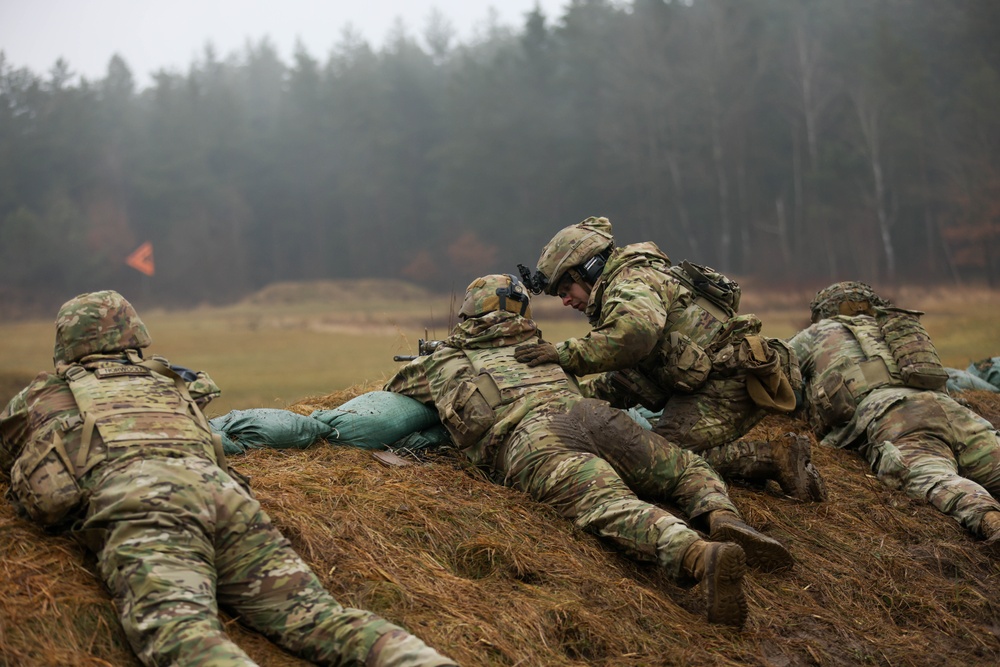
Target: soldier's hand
x,y
535,354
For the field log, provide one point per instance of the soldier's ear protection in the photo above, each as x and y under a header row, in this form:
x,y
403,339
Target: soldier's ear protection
x,y
514,291
592,269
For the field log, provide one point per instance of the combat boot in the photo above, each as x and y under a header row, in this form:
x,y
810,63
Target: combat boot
x,y
989,527
792,458
785,460
762,552
719,567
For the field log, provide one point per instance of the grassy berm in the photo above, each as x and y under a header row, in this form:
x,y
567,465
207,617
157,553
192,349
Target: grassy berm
x,y
492,578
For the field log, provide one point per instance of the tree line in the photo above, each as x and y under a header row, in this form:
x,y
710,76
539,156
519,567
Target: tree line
x,y
787,140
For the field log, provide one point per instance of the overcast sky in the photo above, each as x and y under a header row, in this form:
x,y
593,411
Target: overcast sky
x,y
171,34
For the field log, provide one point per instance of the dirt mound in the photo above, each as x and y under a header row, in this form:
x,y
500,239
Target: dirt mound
x,y
491,578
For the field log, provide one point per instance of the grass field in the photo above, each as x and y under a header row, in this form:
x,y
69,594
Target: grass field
x,y
292,341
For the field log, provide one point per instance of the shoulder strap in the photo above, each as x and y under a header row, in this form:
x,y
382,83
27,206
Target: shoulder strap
x,y
158,366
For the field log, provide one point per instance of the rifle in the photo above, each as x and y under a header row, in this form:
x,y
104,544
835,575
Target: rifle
x,y
424,348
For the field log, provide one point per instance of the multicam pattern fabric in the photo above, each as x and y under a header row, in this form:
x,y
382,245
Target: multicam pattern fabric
x,y
181,537
174,534
98,322
572,246
500,291
845,298
594,464
922,442
635,307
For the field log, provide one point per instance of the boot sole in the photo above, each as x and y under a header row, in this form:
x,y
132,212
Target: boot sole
x,y
762,552
724,587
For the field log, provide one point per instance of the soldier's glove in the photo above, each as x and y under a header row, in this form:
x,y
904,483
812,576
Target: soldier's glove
x,y
535,354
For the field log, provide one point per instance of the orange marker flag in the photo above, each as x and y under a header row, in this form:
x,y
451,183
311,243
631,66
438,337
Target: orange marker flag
x,y
141,259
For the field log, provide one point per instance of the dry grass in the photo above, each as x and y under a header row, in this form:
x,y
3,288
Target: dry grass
x,y
492,578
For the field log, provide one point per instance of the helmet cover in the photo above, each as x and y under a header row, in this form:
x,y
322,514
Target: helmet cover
x,y
845,298
97,323
571,247
498,291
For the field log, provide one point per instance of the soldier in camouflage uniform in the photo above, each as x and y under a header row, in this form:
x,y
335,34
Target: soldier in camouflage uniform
x,y
669,338
530,429
115,449
874,383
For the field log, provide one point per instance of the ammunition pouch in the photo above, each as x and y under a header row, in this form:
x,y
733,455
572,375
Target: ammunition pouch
x,y
686,365
830,403
834,399
469,410
912,349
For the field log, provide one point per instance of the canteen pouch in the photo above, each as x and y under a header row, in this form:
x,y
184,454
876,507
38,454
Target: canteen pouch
x,y
831,403
44,483
468,414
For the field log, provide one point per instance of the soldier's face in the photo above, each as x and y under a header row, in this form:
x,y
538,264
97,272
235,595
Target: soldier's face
x,y
573,294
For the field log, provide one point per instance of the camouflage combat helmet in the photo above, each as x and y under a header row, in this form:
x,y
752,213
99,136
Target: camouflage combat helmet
x,y
499,291
97,322
845,298
570,248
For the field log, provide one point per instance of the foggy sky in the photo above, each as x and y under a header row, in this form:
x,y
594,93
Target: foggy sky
x,y
152,35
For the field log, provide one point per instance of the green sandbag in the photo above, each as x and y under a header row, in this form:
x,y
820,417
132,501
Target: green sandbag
x,y
959,380
988,369
267,428
376,420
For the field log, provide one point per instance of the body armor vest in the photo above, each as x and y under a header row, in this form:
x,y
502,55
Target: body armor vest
x,y
470,410
134,409
130,405
834,394
497,367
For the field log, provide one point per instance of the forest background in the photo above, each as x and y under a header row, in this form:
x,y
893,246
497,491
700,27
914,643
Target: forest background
x,y
786,141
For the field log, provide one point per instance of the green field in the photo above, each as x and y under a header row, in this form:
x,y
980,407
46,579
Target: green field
x,y
294,341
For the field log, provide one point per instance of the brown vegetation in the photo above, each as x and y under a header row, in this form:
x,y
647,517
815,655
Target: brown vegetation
x,y
492,578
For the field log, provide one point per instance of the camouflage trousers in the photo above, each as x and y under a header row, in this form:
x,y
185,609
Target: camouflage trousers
x,y
593,463
175,537
719,412
936,450
710,420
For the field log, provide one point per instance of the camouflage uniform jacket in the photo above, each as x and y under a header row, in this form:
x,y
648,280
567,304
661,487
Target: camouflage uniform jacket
x,y
433,379
840,342
634,307
47,406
